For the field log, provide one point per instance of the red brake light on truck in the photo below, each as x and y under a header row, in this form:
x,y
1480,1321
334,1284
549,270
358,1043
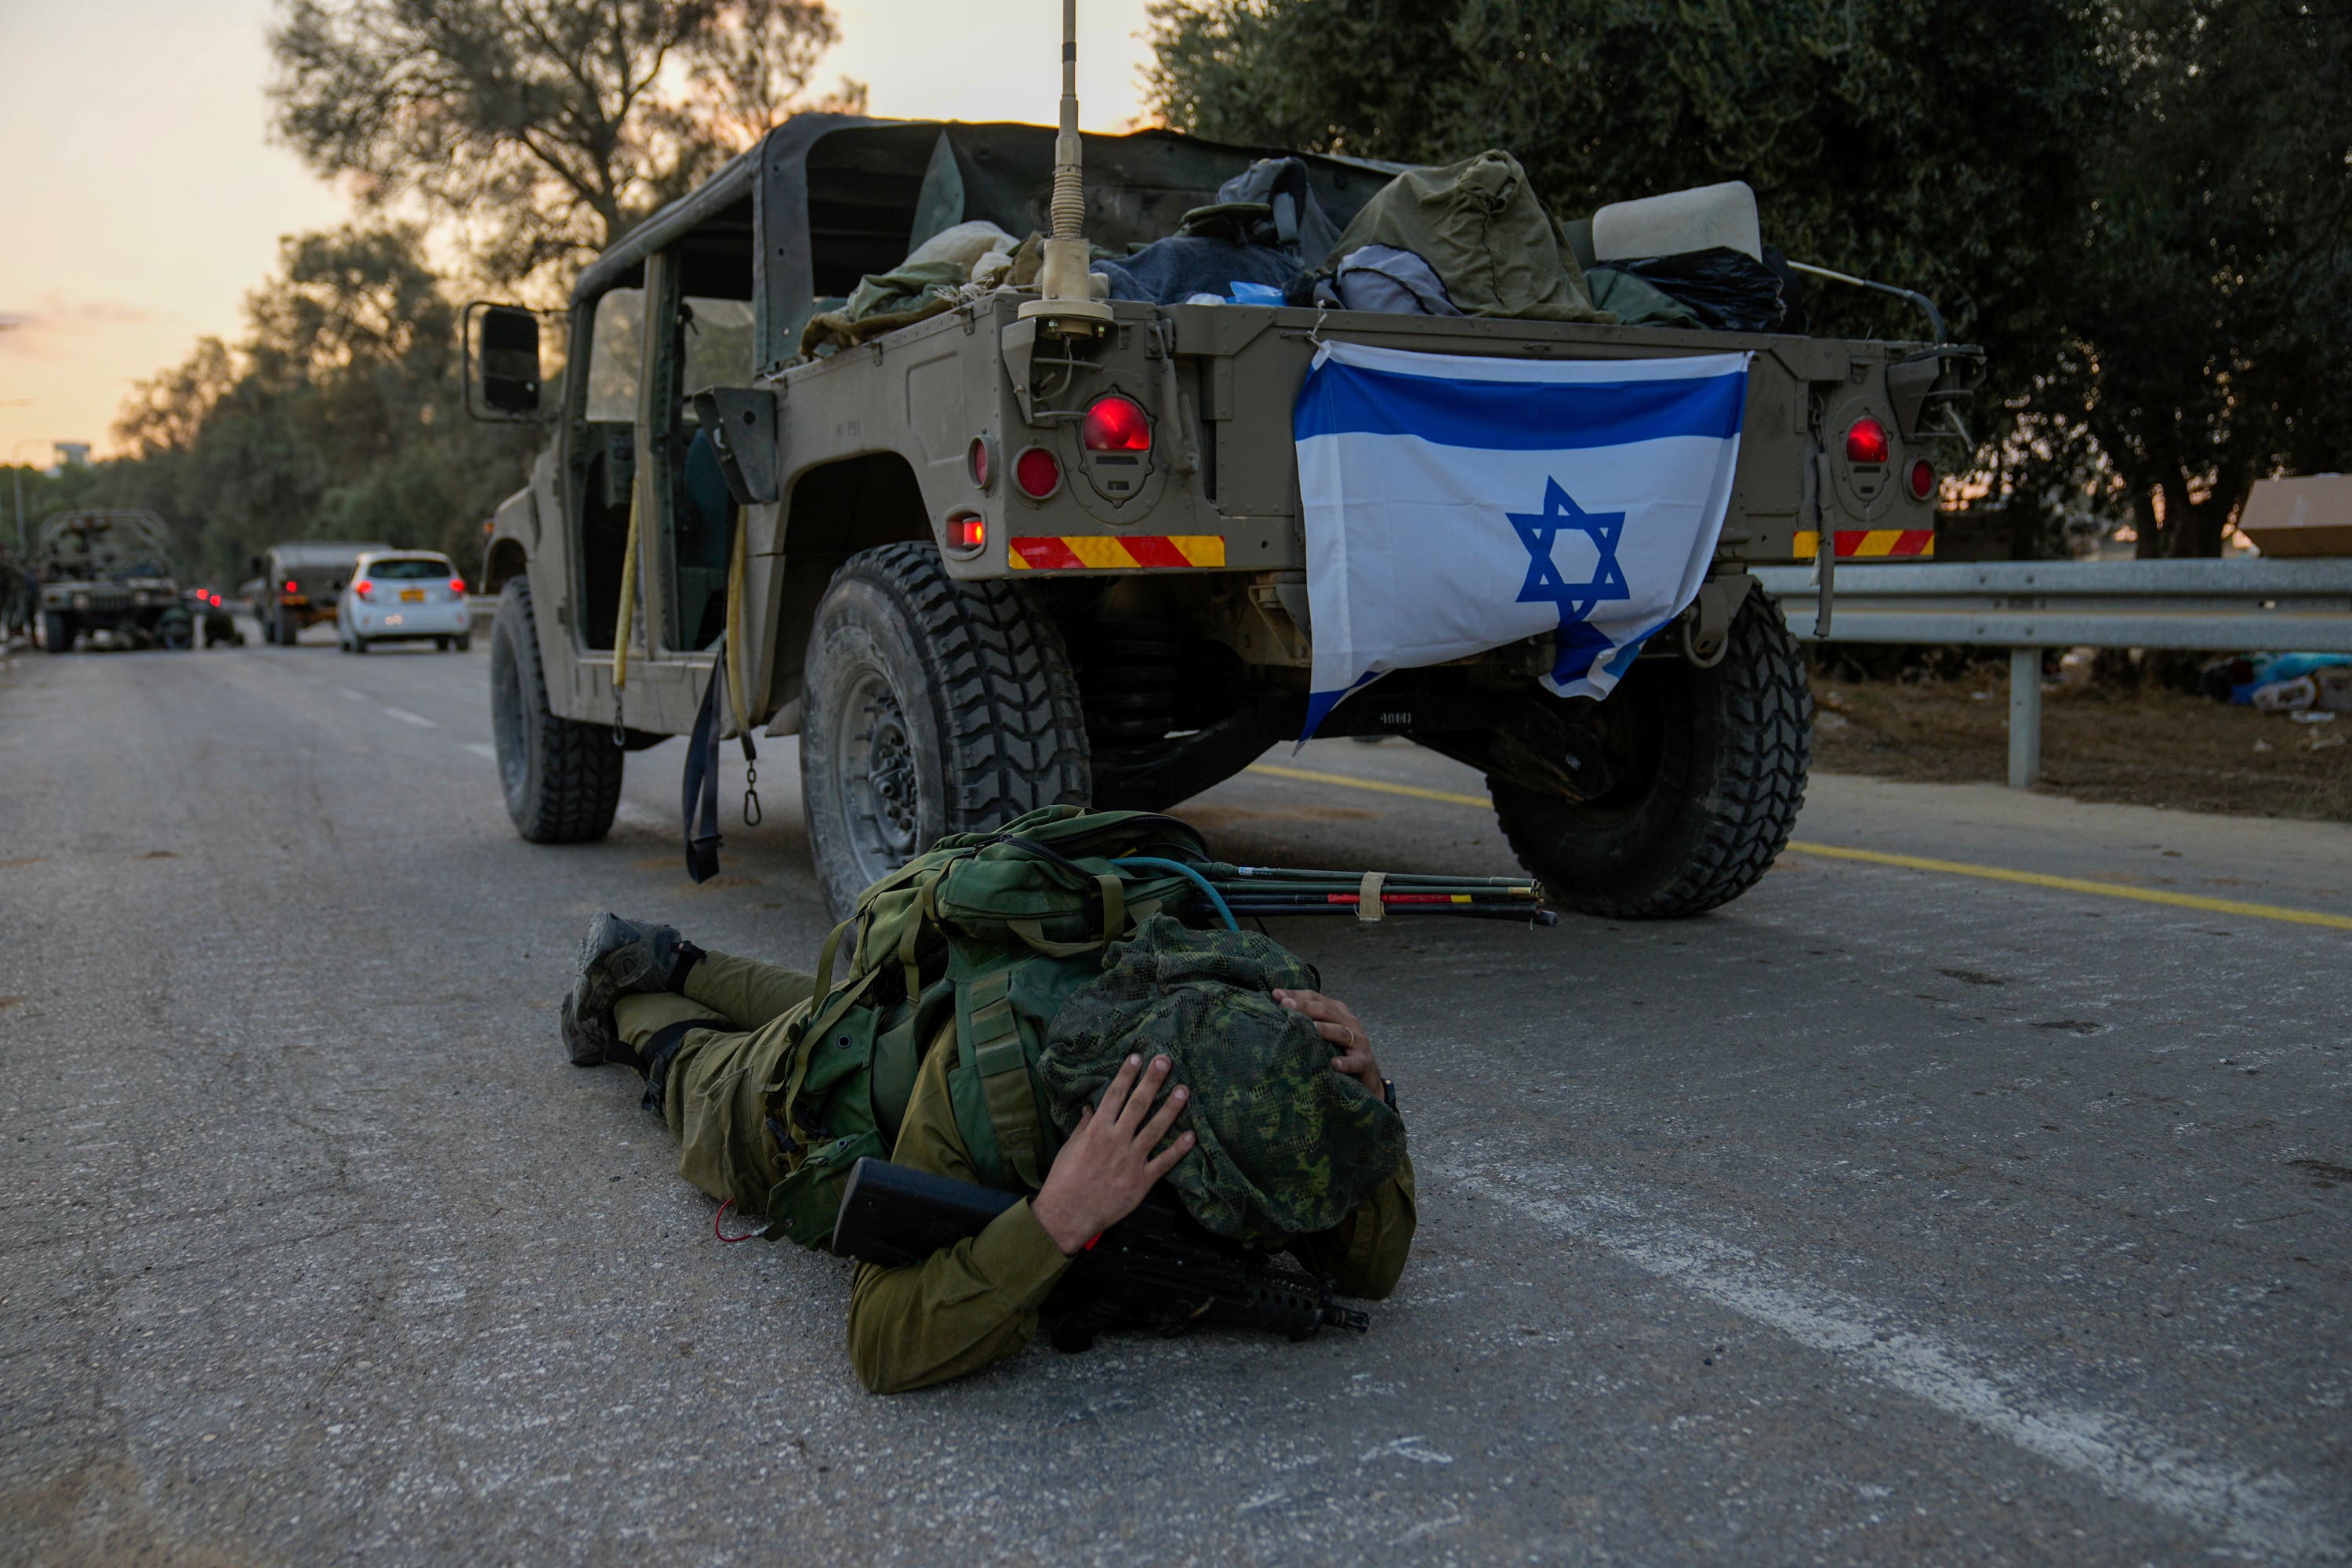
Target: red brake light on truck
x,y
1923,479
967,532
1038,473
291,586
1115,424
1866,441
976,463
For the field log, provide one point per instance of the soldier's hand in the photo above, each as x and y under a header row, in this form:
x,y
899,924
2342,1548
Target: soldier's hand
x,y
1107,1165
1338,1024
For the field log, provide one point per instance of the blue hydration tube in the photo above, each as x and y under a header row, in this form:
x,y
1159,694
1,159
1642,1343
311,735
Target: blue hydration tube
x,y
1216,899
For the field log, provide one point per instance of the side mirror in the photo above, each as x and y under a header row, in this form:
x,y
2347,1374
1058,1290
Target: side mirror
x,y
504,379
253,567
741,423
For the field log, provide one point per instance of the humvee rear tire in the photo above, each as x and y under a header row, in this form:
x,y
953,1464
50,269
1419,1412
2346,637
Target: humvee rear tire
x,y
1712,767
56,633
290,630
932,707
562,777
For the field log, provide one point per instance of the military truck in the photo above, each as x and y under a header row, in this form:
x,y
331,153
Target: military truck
x,y
302,581
108,575
966,606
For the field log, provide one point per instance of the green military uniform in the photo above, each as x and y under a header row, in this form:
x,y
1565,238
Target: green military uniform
x,y
971,1304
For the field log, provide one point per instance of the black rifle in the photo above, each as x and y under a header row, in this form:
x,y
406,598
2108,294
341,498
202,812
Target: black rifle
x,y
1156,1268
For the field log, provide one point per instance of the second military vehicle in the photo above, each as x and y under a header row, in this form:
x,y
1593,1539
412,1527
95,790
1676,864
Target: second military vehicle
x,y
108,575
1041,546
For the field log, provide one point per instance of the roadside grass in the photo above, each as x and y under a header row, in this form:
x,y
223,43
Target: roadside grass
x,y
2148,747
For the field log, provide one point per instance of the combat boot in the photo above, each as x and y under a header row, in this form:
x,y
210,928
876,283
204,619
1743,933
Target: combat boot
x,y
617,958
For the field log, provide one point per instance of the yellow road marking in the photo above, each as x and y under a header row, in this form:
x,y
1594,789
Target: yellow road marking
x,y
1906,862
2081,885
1307,776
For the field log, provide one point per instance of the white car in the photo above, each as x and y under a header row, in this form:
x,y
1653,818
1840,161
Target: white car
x,y
405,595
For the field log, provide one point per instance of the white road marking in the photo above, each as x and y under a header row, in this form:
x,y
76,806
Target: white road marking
x,y
347,693
483,749
630,812
405,717
2121,1455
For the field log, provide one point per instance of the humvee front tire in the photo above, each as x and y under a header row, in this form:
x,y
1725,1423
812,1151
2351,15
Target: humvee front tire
x,y
563,778
1710,769
932,706
56,633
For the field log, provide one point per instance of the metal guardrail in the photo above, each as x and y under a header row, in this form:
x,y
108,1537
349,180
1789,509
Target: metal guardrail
x,y
2218,607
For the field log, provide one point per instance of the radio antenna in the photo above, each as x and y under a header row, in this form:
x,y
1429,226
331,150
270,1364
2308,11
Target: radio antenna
x,y
1066,304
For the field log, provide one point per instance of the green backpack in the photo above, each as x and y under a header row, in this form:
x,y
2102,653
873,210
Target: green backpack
x,y
993,931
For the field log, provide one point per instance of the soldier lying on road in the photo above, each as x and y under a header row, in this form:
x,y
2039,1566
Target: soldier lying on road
x,y
713,1035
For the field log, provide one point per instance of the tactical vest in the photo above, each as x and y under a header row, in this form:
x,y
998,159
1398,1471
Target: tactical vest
x,y
988,933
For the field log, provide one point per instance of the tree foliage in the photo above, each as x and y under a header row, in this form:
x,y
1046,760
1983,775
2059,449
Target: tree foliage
x,y
524,134
338,414
540,130
2203,338
2135,205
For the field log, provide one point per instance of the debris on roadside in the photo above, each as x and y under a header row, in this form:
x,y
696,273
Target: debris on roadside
x,y
2282,682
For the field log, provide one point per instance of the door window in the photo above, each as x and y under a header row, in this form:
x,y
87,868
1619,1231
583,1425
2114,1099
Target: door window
x,y
603,466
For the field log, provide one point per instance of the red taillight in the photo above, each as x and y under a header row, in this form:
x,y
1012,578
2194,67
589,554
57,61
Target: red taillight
x,y
1923,479
457,584
1117,423
976,463
1867,442
291,586
967,532
1037,473
362,587
214,599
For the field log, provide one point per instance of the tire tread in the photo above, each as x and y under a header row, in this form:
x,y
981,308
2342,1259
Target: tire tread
x,y
580,771
1015,735
1766,706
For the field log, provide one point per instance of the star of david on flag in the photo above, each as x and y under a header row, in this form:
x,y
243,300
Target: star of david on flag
x,y
1454,505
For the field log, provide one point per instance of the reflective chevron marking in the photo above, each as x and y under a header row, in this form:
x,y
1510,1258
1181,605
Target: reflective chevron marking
x,y
1115,553
1872,543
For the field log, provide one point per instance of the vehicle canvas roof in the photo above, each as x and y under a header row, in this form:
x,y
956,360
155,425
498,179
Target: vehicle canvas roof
x,y
324,552
825,199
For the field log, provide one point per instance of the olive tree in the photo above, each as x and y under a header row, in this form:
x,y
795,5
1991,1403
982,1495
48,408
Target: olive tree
x,y
538,130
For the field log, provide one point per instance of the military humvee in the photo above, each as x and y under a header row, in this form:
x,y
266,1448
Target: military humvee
x,y
890,601
110,574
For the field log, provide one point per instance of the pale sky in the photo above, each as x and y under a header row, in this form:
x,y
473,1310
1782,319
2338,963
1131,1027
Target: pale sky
x,y
141,198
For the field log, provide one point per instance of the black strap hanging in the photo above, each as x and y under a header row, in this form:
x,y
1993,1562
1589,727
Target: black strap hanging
x,y
698,797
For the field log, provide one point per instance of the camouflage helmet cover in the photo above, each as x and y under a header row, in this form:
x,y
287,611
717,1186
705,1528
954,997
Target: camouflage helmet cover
x,y
1285,1146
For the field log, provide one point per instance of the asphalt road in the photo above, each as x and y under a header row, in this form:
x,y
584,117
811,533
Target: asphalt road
x,y
1890,1215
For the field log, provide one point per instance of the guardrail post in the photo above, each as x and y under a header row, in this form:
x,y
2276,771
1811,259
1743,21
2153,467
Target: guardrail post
x,y
2024,717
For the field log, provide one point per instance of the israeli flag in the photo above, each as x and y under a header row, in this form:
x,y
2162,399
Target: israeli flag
x,y
1455,505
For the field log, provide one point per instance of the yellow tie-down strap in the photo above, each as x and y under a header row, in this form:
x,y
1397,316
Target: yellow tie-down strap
x,y
1115,552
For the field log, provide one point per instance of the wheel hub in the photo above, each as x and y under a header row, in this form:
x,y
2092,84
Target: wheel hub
x,y
880,782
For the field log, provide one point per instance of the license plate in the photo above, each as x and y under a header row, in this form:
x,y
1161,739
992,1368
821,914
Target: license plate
x,y
412,596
